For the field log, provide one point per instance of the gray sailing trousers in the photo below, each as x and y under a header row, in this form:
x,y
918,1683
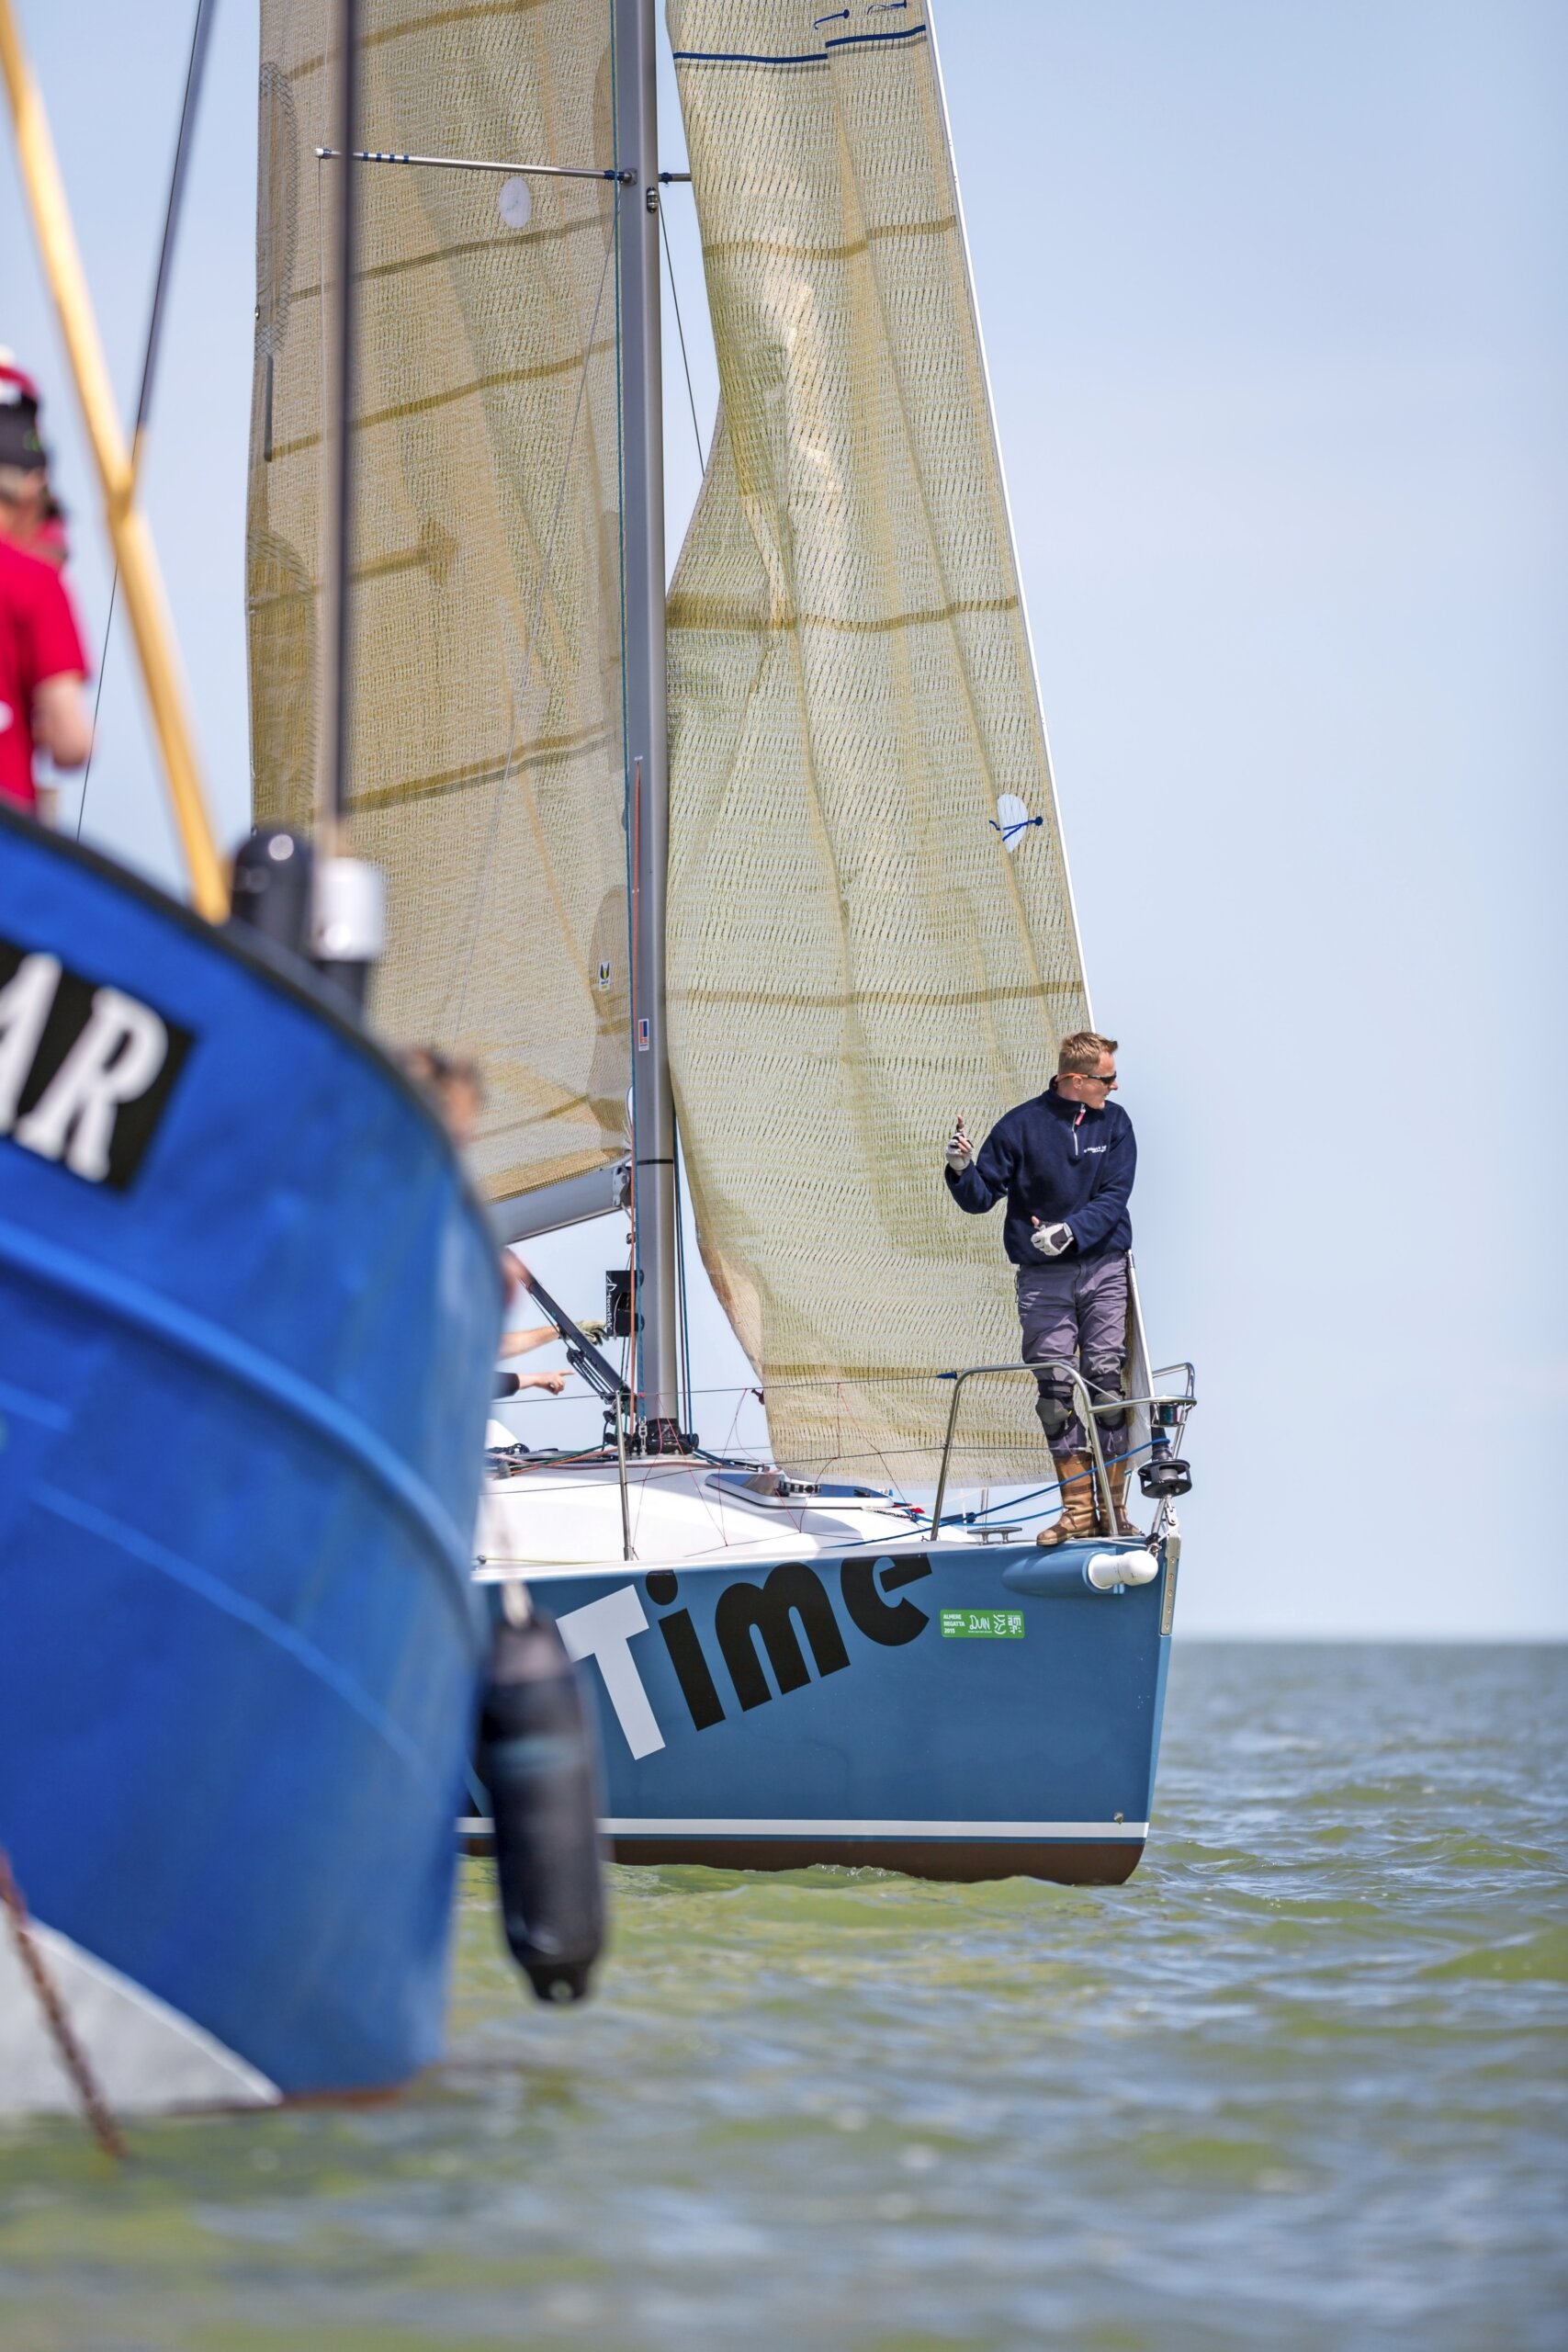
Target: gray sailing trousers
x,y
1070,1310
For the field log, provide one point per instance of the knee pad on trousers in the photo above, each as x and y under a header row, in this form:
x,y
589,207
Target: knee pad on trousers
x,y
1104,1379
1052,1412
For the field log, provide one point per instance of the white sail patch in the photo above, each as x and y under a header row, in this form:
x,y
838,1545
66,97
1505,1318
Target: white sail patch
x,y
516,203
1012,819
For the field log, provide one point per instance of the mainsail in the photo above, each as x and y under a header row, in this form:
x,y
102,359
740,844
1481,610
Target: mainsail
x,y
486,765
871,928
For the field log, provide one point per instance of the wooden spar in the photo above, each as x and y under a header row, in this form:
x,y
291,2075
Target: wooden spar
x,y
127,529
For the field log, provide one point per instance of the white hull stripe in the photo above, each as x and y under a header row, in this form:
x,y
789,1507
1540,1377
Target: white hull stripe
x,y
999,1832
988,1832
145,2056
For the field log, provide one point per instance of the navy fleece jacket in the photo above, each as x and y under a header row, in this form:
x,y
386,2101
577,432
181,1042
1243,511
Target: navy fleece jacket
x,y
1061,1163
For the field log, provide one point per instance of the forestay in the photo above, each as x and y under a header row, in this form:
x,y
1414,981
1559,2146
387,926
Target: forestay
x,y
487,771
870,921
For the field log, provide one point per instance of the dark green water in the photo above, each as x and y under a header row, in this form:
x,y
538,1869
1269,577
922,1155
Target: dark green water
x,y
1301,2082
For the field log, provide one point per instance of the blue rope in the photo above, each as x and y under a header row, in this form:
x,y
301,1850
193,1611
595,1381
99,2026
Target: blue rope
x,y
973,1518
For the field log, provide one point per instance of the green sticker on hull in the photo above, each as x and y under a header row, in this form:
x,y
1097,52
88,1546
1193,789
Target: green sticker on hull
x,y
982,1624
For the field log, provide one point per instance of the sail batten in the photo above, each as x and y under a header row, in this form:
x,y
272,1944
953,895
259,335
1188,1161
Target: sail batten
x,y
487,770
871,928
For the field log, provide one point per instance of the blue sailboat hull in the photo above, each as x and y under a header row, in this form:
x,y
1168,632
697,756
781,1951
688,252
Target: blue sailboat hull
x,y
244,1373
955,1712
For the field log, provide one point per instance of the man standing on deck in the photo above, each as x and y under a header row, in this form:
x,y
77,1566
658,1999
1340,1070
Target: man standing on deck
x,y
1064,1164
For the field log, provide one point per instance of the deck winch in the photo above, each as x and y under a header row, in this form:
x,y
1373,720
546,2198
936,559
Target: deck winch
x,y
1164,1475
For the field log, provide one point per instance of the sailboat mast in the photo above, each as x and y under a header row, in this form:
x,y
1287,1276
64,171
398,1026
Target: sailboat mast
x,y
336,674
648,778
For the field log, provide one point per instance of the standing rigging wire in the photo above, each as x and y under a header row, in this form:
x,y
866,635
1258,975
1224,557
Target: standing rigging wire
x,y
194,64
628,802
682,1307
681,335
681,1302
634,847
97,698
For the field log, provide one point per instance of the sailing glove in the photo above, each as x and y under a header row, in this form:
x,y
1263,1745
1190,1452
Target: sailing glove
x,y
1051,1240
960,1153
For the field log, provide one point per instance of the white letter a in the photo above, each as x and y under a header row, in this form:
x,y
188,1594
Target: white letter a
x,y
25,1002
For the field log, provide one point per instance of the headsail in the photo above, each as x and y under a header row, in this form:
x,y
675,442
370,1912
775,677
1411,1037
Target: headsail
x,y
871,928
487,757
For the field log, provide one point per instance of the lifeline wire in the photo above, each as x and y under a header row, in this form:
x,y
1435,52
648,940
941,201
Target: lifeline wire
x,y
194,65
973,1518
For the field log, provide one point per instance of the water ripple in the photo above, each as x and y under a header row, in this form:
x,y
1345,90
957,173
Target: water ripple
x,y
1300,2082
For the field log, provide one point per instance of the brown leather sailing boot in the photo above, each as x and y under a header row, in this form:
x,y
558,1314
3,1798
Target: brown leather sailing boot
x,y
1075,1471
1117,1473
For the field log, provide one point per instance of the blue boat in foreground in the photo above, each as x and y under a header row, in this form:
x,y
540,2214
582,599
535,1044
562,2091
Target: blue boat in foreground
x,y
248,1314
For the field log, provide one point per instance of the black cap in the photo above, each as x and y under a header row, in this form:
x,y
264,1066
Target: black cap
x,y
20,444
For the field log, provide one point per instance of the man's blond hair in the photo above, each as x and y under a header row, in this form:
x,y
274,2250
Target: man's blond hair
x,y
1080,1053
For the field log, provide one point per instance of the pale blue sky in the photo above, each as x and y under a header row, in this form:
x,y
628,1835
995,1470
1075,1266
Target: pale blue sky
x,y
1275,304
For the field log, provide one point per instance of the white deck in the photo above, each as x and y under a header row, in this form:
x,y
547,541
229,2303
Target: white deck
x,y
555,1518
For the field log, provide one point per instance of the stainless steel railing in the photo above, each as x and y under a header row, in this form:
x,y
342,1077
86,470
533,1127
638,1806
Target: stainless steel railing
x,y
1087,1413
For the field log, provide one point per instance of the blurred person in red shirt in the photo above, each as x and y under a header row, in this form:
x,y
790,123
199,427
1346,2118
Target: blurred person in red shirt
x,y
30,516
42,671
42,667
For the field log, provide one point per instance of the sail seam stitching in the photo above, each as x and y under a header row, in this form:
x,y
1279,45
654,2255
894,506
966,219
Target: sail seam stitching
x,y
692,611
490,383
804,57
882,233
